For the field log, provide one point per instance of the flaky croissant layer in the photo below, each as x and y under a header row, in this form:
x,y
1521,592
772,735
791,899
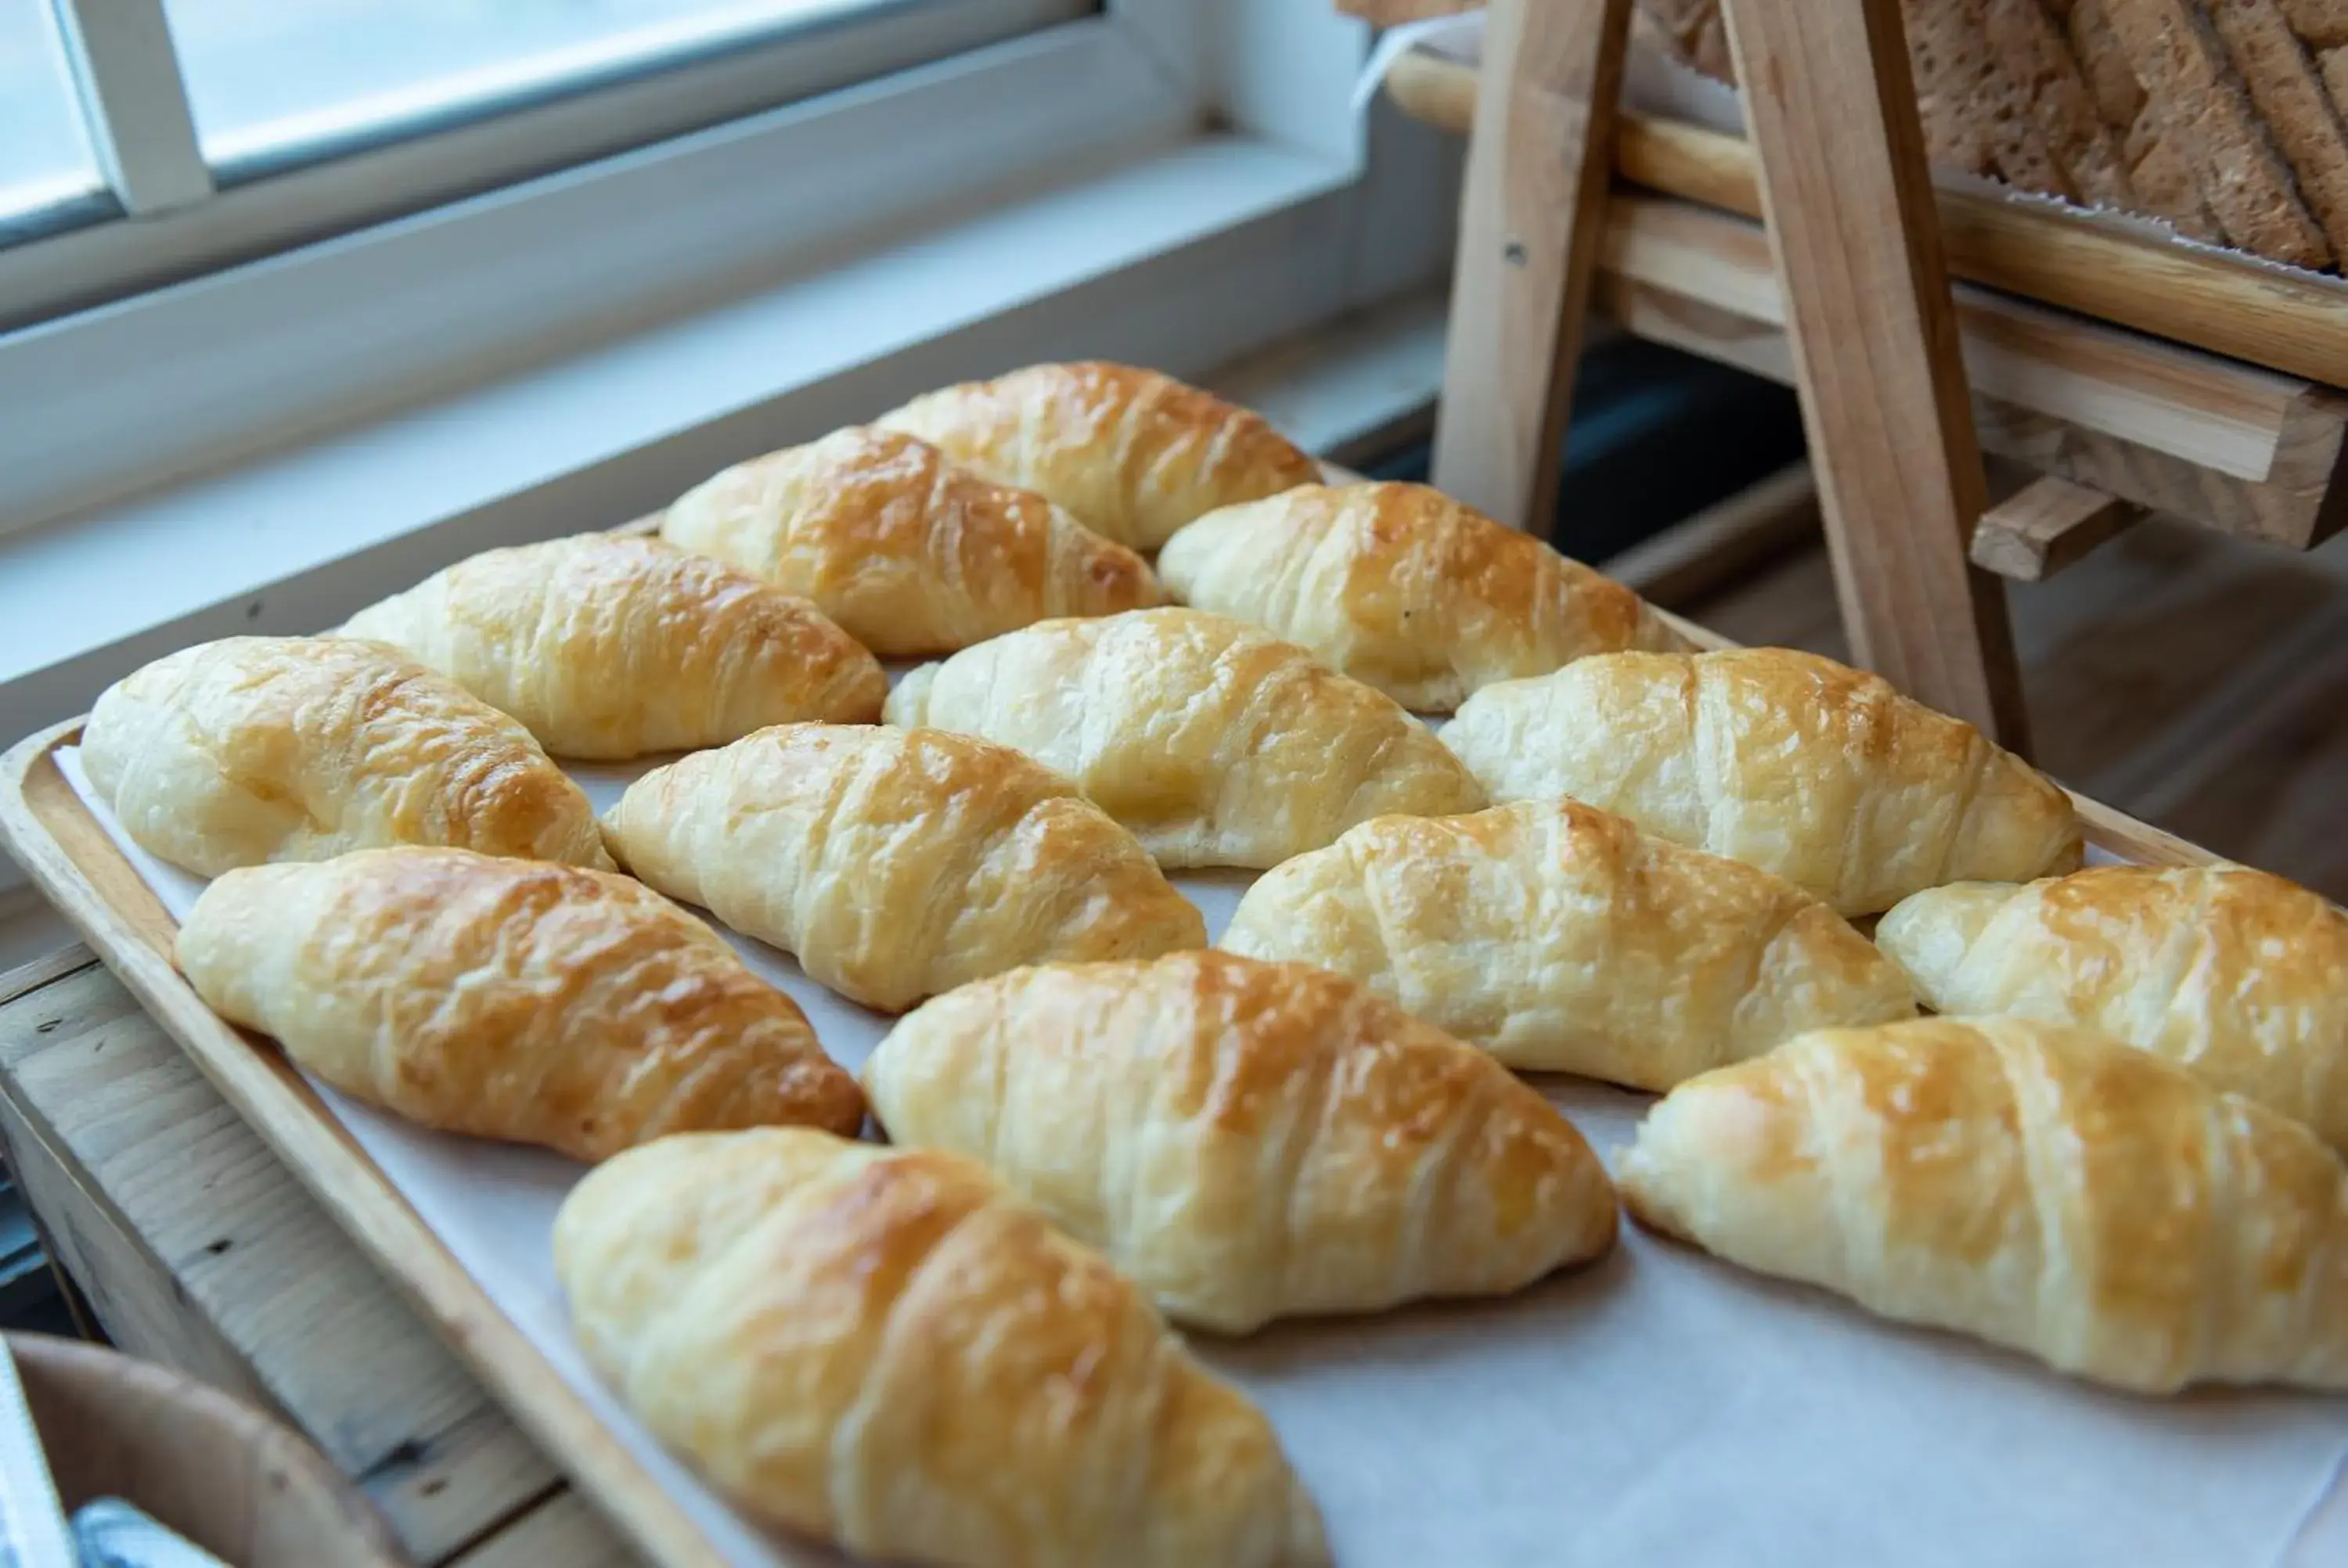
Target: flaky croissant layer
x,y
1819,773
2238,977
2043,1187
1559,938
1214,741
1248,1140
1132,453
896,864
882,1349
607,646
1403,588
913,556
509,999
257,749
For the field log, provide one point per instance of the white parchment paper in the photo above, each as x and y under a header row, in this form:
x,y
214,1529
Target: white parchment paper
x,y
1658,1407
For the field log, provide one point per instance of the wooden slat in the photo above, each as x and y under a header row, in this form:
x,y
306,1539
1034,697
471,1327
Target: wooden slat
x,y
2223,444
1529,222
68,854
2284,318
1848,204
2047,525
198,1252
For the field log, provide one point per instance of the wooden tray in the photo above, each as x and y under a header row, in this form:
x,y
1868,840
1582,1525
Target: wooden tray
x,y
69,857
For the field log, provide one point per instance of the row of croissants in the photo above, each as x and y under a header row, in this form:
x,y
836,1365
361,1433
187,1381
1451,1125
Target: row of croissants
x,y
2117,1148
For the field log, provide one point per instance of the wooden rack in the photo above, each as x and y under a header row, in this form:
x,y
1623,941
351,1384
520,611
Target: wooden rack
x,y
2172,378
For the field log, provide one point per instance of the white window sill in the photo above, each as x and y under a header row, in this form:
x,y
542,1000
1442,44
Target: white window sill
x,y
1182,257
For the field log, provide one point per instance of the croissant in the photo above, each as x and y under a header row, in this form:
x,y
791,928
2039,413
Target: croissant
x,y
2042,1187
509,999
1216,743
2237,977
1559,938
913,557
896,864
1133,454
1248,1141
608,647
1403,588
1786,761
255,749
882,1349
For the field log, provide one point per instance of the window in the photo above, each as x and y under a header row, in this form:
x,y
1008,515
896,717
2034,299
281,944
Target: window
x,y
273,84
47,168
231,129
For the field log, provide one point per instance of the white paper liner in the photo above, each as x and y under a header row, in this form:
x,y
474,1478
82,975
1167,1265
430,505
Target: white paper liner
x,y
1658,1407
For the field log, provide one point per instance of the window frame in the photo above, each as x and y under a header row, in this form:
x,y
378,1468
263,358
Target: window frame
x,y
162,215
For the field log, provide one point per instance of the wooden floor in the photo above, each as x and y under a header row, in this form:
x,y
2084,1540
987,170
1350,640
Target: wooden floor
x,y
2191,679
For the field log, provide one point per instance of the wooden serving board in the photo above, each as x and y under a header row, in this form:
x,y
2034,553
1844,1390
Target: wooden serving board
x,y
70,856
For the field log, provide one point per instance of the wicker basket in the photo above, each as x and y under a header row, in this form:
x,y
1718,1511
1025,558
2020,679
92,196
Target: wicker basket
x,y
215,1470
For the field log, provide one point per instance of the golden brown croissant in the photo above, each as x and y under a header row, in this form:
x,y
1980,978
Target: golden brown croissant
x,y
1403,588
509,999
1797,764
1133,454
913,556
2238,977
607,646
2043,1187
896,864
1248,1141
255,749
1217,743
884,1351
1559,937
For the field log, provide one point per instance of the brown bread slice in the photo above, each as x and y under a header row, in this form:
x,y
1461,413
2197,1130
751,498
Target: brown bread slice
x,y
2035,56
2203,109
2164,184
1977,117
2103,60
2335,75
2300,115
2321,23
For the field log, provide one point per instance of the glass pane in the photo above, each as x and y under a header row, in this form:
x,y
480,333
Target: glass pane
x,y
273,82
44,158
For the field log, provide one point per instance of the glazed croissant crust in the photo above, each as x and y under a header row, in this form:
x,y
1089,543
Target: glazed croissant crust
x,y
1135,455
1217,743
610,647
2042,1187
914,557
509,999
895,864
884,1351
1248,1140
1821,773
1404,589
2238,977
254,749
1559,938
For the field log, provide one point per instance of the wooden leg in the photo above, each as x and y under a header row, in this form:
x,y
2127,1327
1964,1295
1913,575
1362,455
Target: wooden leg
x,y
1538,165
1831,110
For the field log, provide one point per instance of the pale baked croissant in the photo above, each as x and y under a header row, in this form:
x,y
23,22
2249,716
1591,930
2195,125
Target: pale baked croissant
x,y
254,749
2042,1187
1135,455
896,864
884,1351
1403,588
509,999
607,646
2238,977
1559,938
1797,764
1217,743
914,557
1248,1141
